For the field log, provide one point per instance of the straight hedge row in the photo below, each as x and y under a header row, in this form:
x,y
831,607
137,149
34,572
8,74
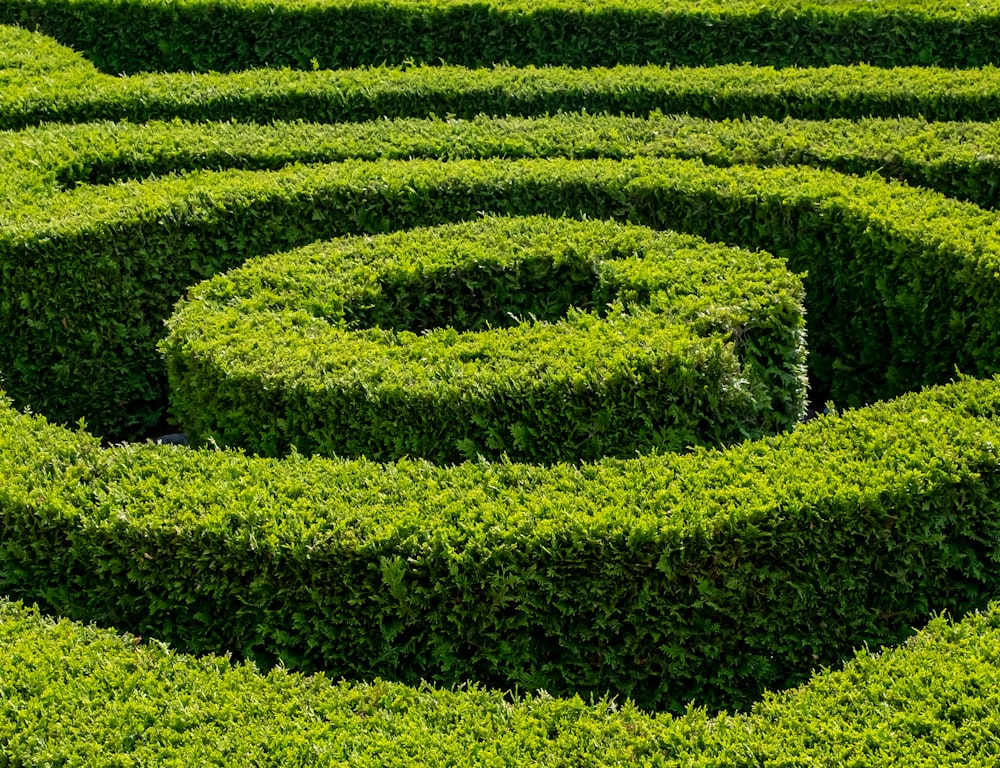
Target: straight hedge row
x,y
201,35
959,160
80,93
113,700
539,339
707,576
902,282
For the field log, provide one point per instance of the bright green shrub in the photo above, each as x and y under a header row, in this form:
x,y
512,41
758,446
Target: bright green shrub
x,y
71,90
901,286
668,341
956,159
116,700
158,35
83,523
27,56
706,576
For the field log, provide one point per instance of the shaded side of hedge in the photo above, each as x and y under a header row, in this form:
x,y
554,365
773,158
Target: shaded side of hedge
x,y
198,36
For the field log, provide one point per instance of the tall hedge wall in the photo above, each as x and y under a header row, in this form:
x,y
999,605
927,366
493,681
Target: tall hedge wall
x,y
159,35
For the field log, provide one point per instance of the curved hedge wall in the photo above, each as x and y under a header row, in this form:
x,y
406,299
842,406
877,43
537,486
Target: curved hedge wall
x,y
901,282
47,82
637,576
537,339
116,700
706,576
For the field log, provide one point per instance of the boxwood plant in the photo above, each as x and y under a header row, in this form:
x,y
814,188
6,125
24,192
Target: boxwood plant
x,y
540,339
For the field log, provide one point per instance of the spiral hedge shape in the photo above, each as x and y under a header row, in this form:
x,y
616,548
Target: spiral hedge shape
x,y
537,339
709,575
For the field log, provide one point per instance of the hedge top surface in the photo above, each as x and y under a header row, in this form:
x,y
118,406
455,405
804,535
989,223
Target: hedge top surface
x,y
80,93
78,693
24,54
479,274
357,504
955,158
940,153
946,8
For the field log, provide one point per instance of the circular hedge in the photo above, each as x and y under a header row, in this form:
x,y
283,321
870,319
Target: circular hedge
x,y
536,338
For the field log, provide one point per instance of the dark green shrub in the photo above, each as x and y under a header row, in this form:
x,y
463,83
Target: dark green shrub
x,y
956,159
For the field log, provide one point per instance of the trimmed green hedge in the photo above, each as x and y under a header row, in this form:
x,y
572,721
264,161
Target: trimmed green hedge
x,y
200,35
88,526
28,56
668,342
707,576
901,288
957,159
62,86
75,694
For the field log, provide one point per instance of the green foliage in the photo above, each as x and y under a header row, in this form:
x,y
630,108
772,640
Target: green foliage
x,y
707,576
62,86
202,35
901,285
956,159
539,339
115,700
635,577
27,56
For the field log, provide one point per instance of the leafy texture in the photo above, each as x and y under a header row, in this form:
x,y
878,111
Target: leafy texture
x,y
901,283
705,576
538,339
76,694
203,35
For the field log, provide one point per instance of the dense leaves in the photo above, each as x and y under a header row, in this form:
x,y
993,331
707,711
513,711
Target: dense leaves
x,y
74,694
956,159
706,576
538,339
901,287
60,85
202,35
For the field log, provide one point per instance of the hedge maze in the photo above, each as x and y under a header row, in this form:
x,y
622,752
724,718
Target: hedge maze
x,y
499,331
